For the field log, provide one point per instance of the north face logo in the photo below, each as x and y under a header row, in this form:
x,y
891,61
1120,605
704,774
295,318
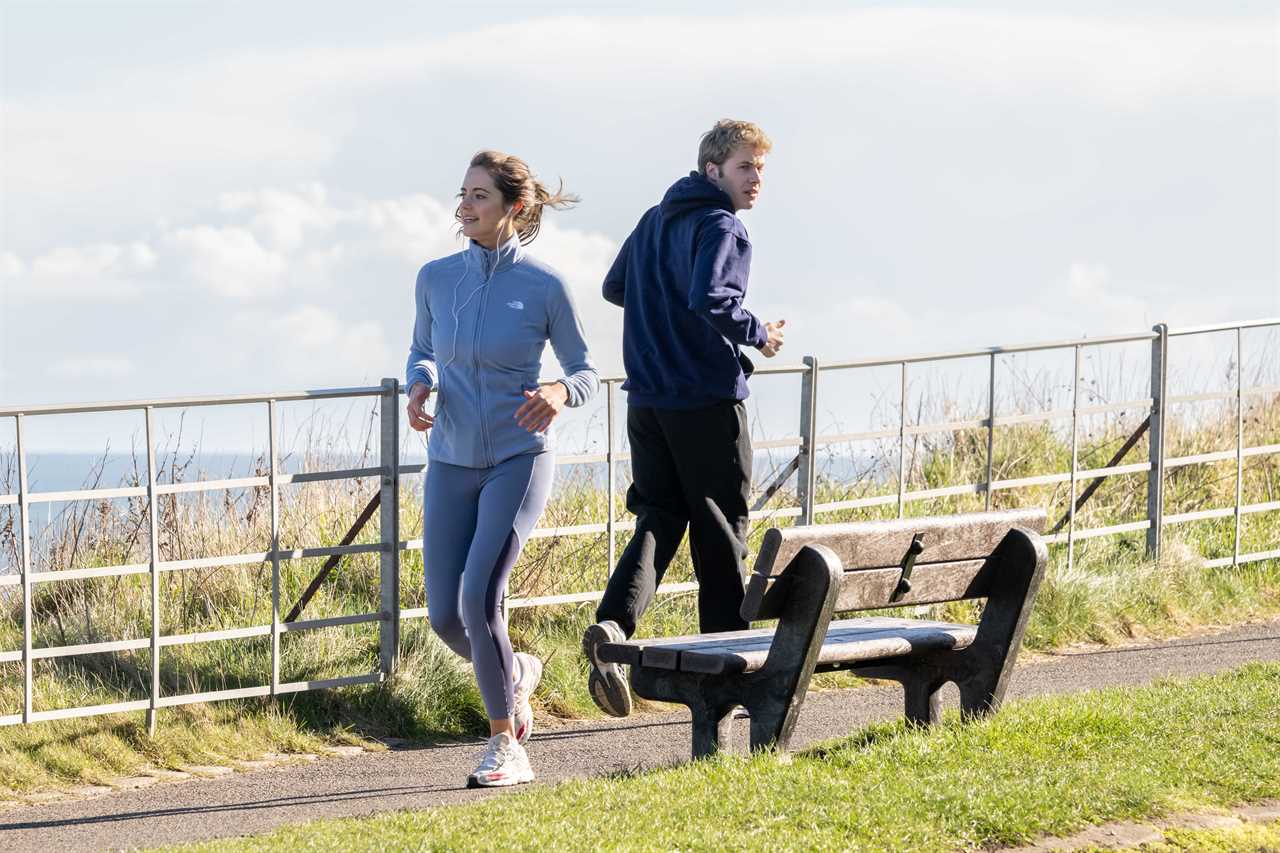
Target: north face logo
x,y
517,305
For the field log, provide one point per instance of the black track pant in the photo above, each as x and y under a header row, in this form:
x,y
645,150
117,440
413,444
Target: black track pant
x,y
688,468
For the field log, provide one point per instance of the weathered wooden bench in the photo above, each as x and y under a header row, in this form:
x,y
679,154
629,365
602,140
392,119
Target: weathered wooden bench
x,y
860,566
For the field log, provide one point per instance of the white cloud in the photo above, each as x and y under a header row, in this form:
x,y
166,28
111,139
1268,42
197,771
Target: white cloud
x,y
102,259
1087,300
229,260
1090,291
284,217
49,154
11,265
414,227
101,271
313,346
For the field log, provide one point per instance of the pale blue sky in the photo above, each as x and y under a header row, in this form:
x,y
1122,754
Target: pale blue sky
x,y
213,198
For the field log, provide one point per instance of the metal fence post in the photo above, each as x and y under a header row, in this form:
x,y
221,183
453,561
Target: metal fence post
x,y
611,482
806,475
991,428
389,528
24,556
902,444
1156,438
1235,547
273,430
154,523
1075,460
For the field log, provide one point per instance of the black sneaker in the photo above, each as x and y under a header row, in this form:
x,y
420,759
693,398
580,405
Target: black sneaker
x,y
607,683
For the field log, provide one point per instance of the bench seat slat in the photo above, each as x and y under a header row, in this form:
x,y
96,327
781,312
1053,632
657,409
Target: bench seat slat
x,y
847,641
630,652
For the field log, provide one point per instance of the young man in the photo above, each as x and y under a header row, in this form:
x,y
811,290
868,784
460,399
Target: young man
x,y
681,278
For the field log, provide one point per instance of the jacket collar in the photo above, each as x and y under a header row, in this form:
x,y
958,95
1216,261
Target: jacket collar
x,y
493,261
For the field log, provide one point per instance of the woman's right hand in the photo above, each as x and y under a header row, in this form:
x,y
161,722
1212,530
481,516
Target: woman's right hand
x,y
419,394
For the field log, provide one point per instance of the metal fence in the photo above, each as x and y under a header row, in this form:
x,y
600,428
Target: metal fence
x,y
805,510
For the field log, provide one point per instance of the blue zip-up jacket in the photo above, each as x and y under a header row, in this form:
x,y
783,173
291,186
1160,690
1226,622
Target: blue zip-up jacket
x,y
680,278
483,319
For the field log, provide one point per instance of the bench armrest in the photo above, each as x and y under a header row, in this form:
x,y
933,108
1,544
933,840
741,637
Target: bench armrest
x,y
757,586
1021,558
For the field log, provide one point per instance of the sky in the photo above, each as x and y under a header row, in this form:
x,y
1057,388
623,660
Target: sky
x,y
202,198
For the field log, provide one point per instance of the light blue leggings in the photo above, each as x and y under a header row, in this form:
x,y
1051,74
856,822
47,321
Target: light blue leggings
x,y
475,522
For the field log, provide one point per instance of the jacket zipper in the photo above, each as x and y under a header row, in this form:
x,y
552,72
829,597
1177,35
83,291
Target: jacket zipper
x,y
485,438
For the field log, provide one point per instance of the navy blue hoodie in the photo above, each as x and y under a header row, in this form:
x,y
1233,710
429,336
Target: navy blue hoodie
x,y
681,277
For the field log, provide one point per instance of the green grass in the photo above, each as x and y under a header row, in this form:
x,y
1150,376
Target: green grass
x,y
1043,766
97,750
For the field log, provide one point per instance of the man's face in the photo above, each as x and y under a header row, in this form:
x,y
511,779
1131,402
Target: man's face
x,y
741,176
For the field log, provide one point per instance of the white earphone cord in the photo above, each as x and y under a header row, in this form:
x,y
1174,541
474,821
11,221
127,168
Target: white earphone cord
x,y
457,310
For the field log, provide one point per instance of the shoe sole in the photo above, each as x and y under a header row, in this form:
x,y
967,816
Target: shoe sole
x,y
474,781
606,684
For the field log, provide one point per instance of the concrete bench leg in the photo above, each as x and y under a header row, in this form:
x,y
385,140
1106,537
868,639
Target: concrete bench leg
x,y
772,702
923,695
978,693
922,682
712,728
773,718
710,700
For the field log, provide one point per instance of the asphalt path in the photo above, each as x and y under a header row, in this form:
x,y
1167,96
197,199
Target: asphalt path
x,y
423,776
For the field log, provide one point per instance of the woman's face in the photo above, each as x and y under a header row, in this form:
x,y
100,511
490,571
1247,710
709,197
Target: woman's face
x,y
481,208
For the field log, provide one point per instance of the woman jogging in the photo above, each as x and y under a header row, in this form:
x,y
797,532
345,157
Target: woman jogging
x,y
484,316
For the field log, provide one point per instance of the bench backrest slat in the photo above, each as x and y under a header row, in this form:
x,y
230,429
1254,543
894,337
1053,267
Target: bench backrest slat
x,y
952,567
874,588
875,544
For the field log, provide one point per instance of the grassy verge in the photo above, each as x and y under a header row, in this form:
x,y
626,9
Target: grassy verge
x,y
98,750
1044,766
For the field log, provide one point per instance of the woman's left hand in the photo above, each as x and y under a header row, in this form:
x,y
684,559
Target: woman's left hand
x,y
540,407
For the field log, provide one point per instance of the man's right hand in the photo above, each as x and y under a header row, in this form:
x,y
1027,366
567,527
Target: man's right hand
x,y
771,346
417,407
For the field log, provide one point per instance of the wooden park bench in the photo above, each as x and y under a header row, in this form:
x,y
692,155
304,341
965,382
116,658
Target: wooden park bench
x,y
860,566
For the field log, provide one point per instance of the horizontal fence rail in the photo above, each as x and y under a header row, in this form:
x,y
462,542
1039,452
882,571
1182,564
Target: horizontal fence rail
x,y
391,472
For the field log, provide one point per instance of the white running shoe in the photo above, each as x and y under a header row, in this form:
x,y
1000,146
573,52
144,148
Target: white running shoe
x,y
606,682
526,682
505,763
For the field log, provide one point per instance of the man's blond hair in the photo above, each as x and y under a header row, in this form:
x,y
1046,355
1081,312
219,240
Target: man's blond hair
x,y
718,142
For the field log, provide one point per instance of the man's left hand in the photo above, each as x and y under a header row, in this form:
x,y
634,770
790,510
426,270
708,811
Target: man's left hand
x,y
774,344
